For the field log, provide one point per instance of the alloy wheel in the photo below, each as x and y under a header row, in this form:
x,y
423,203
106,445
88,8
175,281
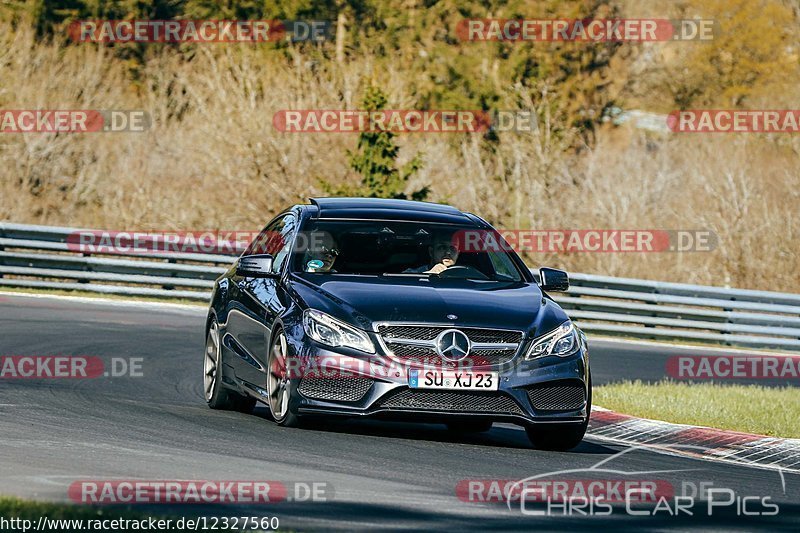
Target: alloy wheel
x,y
211,363
278,378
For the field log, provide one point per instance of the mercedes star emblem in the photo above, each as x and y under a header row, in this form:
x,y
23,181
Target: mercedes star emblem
x,y
453,344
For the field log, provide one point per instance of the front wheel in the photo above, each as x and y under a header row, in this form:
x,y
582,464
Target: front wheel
x,y
559,437
278,382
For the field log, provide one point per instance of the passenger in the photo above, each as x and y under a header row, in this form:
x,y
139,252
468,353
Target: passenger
x,y
322,255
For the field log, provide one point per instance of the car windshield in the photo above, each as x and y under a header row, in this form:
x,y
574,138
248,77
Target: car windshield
x,y
401,248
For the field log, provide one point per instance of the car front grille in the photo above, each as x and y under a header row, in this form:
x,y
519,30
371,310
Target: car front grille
x,y
563,396
452,402
417,354
428,333
340,388
416,344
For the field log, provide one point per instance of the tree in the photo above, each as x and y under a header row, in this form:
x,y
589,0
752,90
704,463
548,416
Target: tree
x,y
751,54
376,160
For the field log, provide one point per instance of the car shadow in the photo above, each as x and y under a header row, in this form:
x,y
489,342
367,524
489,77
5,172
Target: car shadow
x,y
500,436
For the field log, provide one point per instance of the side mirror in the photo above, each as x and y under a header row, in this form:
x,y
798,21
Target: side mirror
x,y
551,279
255,266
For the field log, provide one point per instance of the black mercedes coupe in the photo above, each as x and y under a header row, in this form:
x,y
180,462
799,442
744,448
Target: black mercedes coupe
x,y
400,310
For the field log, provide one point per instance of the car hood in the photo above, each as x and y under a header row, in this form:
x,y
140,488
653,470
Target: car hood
x,y
364,300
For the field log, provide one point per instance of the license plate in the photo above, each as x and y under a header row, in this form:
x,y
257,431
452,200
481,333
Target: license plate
x,y
452,380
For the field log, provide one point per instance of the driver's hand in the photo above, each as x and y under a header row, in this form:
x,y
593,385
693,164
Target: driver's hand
x,y
437,269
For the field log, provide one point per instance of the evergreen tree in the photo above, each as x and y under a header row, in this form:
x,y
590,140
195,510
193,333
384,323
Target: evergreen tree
x,y
375,159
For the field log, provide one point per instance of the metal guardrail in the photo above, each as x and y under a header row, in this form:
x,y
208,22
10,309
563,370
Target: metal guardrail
x,y
45,257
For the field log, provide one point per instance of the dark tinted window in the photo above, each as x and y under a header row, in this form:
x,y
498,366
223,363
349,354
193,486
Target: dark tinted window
x,y
395,248
275,239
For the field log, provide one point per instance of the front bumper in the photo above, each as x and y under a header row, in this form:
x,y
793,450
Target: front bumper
x,y
545,390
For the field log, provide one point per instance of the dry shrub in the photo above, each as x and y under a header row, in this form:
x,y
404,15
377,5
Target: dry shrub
x,y
213,160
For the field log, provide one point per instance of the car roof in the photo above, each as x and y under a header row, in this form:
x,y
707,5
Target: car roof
x,y
386,209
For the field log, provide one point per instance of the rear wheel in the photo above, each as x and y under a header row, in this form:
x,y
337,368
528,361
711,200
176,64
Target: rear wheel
x,y
217,396
469,426
278,382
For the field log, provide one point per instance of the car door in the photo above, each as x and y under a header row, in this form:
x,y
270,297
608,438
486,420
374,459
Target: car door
x,y
250,323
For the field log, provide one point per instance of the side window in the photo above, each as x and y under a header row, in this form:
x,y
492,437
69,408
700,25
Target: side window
x,y
283,243
259,244
503,265
276,240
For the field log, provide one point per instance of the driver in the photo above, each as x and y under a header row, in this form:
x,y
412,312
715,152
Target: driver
x,y
443,255
322,255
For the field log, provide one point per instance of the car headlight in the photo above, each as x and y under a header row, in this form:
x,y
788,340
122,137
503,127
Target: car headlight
x,y
325,329
562,341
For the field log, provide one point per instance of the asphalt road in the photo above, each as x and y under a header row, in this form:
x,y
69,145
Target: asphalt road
x,y
379,474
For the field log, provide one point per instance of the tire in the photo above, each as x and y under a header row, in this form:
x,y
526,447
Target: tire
x,y
469,426
216,395
278,383
560,437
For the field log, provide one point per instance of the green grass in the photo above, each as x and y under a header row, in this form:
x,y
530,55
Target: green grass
x,y
747,408
10,506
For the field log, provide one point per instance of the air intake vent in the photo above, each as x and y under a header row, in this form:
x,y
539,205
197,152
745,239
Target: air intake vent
x,y
343,389
452,401
562,396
